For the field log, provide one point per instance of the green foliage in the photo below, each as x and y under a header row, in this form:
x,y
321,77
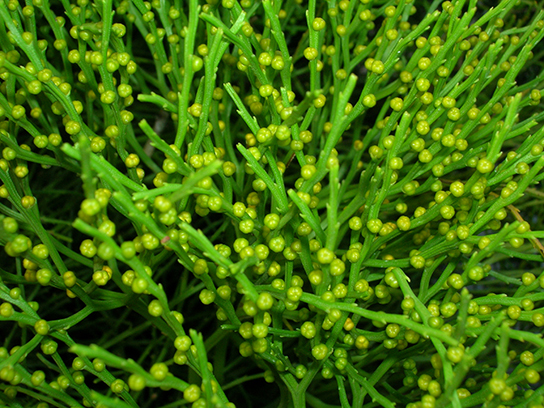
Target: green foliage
x,y
320,203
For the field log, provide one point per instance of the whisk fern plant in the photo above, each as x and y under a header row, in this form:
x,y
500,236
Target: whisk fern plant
x,y
327,203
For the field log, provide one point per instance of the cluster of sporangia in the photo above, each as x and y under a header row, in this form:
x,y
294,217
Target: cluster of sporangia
x,y
331,239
